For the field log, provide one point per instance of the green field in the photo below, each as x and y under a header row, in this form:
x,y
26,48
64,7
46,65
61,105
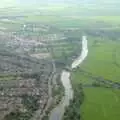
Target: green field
x,y
101,104
77,21
102,61
79,77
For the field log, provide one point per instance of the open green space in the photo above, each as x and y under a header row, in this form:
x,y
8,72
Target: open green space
x,y
70,21
75,21
101,60
79,77
101,104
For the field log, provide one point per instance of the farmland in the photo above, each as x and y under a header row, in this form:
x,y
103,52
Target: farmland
x,y
99,76
41,37
100,104
103,59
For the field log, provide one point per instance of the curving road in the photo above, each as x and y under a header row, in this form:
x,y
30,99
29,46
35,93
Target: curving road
x,y
58,112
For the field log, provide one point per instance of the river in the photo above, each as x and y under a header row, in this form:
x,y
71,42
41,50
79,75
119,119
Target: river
x,y
58,112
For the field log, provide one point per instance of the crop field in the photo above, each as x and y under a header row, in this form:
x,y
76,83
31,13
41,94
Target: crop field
x,y
101,104
111,22
102,60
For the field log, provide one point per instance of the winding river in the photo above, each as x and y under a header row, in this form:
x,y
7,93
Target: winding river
x,y
58,112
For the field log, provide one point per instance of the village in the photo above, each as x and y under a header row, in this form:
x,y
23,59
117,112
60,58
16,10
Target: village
x,y
21,75
29,58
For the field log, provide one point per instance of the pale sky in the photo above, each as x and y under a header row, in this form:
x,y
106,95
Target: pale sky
x,y
7,3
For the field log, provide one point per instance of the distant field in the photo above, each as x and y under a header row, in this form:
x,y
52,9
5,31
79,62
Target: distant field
x,y
40,18
75,21
68,21
90,22
7,77
9,26
102,59
101,104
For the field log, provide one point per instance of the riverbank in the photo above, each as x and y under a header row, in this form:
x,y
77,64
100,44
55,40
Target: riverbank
x,y
58,112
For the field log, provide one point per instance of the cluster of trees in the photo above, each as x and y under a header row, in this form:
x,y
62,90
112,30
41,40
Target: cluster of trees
x,y
71,49
73,111
112,34
17,115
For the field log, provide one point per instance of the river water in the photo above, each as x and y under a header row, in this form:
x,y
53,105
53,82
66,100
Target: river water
x,y
58,112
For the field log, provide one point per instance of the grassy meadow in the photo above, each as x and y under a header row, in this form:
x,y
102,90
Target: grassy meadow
x,y
101,60
101,104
